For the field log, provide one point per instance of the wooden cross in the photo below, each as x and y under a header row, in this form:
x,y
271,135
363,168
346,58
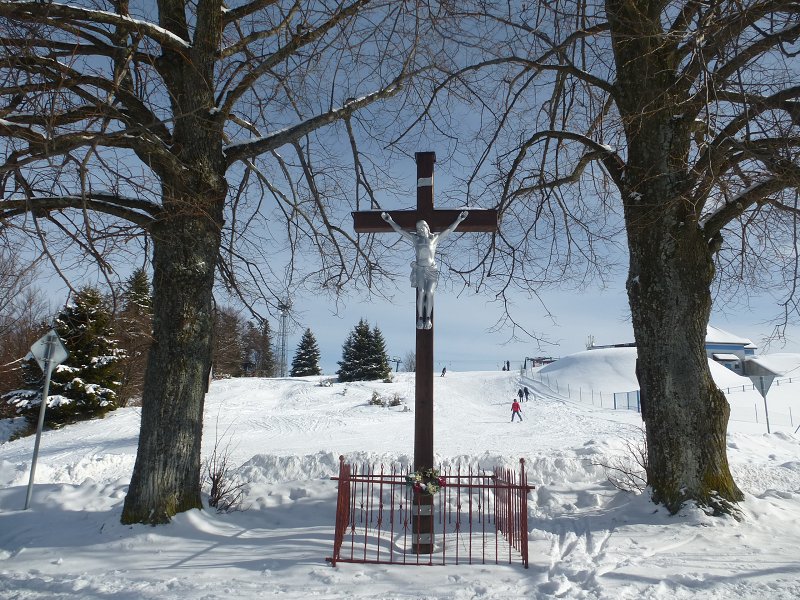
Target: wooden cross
x,y
438,220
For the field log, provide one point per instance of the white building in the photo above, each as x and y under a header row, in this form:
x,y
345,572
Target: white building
x,y
728,349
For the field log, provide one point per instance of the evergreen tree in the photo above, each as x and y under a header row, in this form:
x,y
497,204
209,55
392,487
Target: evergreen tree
x,y
363,357
134,326
306,359
258,354
380,359
355,354
86,384
137,295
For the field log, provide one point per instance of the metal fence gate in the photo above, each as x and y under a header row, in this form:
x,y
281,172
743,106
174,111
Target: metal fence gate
x,y
477,517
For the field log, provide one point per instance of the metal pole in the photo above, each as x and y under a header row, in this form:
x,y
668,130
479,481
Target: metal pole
x,y
45,390
764,395
284,307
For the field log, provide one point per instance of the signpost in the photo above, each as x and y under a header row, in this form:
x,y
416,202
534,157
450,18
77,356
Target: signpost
x,y
762,383
49,352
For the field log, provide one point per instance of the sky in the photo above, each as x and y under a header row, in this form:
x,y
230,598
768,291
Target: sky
x,y
466,337
587,539
463,336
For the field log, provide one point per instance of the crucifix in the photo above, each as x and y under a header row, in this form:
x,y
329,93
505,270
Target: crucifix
x,y
428,227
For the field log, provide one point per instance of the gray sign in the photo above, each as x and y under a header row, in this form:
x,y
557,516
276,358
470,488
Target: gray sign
x,y
49,342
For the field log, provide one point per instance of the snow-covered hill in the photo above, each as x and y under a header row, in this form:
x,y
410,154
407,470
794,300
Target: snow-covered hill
x,y
587,539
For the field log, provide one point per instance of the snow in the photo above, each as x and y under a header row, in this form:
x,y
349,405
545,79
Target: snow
x,y
715,335
588,540
255,140
783,363
159,33
604,369
724,356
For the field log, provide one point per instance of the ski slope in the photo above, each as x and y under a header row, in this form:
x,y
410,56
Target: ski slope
x,y
587,539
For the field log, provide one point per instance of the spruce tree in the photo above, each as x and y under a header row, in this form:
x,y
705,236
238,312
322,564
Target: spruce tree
x,y
137,295
306,359
363,356
86,384
380,359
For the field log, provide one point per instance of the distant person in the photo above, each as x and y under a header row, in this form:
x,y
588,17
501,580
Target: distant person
x,y
520,393
444,370
504,366
508,365
526,392
516,411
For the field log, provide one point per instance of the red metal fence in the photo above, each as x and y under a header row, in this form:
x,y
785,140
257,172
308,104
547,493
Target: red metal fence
x,y
476,517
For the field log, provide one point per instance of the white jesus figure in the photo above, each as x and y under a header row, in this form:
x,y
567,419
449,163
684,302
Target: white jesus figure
x,y
424,271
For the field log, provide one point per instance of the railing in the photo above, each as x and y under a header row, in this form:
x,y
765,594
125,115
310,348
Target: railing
x,y
631,400
627,401
476,517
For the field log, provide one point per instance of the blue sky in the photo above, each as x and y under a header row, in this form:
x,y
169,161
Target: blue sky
x,y
463,323
463,340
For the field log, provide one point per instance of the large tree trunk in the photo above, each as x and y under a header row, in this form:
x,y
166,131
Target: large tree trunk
x,y
186,241
685,414
166,477
671,268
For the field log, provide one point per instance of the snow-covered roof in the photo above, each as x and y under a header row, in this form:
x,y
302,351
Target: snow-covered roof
x,y
725,356
714,335
782,363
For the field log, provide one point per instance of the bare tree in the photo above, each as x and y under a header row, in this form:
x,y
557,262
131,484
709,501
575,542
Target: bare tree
x,y
410,362
677,121
133,130
134,325
23,311
228,353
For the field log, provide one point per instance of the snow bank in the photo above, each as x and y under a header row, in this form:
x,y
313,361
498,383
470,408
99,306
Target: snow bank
x,y
588,539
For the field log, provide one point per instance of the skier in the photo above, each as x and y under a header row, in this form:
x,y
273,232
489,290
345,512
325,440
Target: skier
x,y
444,370
516,411
525,389
520,393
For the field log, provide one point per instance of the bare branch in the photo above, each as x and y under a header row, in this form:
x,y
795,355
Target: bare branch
x,y
134,210
51,12
239,151
296,42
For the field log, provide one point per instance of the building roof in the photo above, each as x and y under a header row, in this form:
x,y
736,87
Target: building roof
x,y
725,356
781,363
714,335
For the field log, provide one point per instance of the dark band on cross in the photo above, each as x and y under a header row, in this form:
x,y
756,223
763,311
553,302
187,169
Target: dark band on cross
x,y
479,220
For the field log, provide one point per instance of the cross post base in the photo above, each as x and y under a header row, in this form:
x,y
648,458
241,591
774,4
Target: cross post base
x,y
422,524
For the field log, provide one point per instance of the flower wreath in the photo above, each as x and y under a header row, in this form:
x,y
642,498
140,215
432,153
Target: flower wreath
x,y
426,481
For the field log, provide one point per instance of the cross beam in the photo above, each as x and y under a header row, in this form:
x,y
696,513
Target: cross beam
x,y
479,220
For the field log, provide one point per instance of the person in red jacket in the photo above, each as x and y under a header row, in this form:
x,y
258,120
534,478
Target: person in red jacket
x,y
515,411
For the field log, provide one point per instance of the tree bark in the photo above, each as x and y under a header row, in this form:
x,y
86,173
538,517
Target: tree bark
x,y
671,269
166,476
685,414
186,241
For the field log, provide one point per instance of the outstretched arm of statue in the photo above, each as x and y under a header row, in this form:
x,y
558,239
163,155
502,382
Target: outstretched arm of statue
x,y
464,214
388,218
